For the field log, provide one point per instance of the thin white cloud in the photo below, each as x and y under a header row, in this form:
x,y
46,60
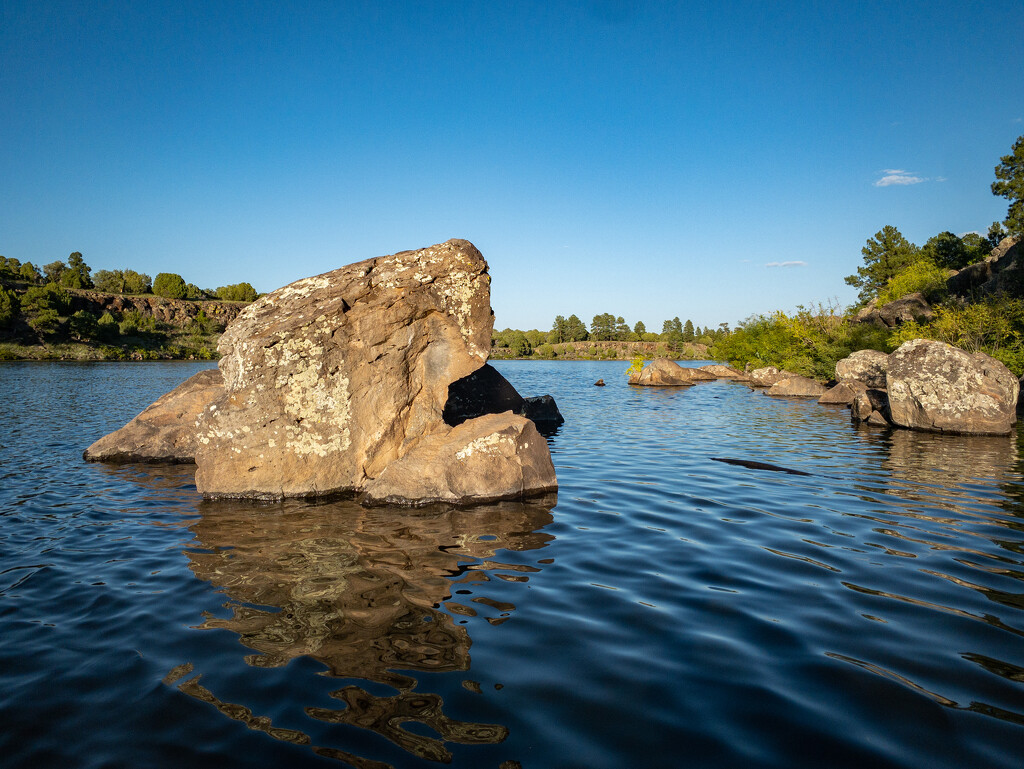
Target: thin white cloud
x,y
898,176
787,264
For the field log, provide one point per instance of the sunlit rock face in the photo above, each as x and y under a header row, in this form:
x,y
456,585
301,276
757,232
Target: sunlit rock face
x,y
331,379
166,430
934,386
662,372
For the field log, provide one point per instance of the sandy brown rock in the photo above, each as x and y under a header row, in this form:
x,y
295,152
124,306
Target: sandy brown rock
x,y
797,387
867,366
662,372
497,456
934,386
332,379
166,430
843,393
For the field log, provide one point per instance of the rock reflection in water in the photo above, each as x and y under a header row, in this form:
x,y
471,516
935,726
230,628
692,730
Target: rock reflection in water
x,y
361,591
950,468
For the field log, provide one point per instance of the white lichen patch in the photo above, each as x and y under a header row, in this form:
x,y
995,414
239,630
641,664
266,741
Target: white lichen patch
x,y
495,443
300,289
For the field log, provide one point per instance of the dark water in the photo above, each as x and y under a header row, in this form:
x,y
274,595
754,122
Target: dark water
x,y
669,611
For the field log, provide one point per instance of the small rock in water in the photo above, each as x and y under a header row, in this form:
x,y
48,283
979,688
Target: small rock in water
x,y
599,383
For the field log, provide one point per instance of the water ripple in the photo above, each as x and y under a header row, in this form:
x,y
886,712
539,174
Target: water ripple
x,y
670,607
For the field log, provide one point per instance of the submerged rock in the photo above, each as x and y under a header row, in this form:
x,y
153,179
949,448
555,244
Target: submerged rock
x,y
331,380
934,386
166,430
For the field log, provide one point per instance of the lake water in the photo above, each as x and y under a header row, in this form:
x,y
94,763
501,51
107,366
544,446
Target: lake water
x,y
668,611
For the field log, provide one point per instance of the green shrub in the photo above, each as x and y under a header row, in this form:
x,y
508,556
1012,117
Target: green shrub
x,y
922,276
545,351
9,306
48,297
45,321
238,292
170,285
134,323
83,325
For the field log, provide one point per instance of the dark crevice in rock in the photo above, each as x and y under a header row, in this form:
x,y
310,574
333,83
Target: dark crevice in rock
x,y
485,391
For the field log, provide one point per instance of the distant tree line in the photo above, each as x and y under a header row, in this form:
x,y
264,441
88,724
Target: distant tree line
x,y
36,308
76,274
604,327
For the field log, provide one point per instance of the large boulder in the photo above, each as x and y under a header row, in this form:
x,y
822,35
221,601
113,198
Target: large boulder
x,y
166,430
330,380
797,387
934,386
867,366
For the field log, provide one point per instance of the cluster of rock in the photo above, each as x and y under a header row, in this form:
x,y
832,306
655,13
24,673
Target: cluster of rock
x,y
1001,272
928,385
924,385
663,372
176,312
368,380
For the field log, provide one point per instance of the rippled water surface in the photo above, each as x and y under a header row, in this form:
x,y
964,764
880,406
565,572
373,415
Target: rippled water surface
x,y
669,611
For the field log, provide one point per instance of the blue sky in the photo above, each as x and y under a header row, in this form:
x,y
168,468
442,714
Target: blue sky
x,y
650,160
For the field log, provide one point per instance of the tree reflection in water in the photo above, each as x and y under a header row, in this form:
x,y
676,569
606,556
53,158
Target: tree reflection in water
x,y
361,591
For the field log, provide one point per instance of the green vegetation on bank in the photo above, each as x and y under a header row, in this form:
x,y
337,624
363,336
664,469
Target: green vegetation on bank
x,y
50,313
813,339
